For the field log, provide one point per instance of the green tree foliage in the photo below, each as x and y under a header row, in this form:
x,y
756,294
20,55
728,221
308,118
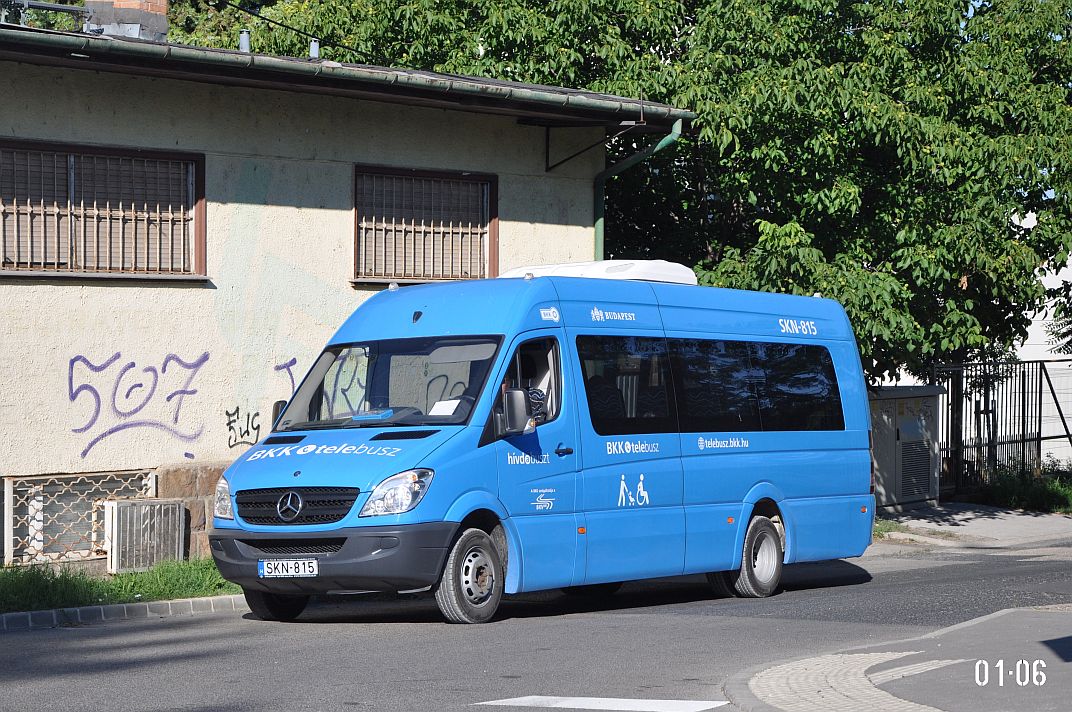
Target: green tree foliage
x,y
879,153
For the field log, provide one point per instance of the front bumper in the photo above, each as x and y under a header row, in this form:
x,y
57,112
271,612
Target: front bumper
x,y
387,558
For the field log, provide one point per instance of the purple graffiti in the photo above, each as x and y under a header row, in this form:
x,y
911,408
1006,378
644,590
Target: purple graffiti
x,y
288,366
193,367
125,413
73,392
186,437
134,392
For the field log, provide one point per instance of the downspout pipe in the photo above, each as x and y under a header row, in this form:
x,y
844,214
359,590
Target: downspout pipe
x,y
599,186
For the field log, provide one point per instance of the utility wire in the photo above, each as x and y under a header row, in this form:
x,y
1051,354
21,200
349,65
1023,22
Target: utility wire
x,y
295,30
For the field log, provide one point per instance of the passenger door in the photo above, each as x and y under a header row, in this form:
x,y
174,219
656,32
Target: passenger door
x,y
631,477
538,471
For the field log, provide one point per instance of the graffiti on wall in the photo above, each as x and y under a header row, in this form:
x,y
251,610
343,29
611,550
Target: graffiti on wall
x,y
242,428
119,395
288,366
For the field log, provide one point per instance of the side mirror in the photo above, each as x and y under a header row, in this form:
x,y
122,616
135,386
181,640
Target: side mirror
x,y
277,410
516,418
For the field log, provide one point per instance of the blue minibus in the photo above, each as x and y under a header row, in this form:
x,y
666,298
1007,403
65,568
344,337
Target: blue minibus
x,y
550,429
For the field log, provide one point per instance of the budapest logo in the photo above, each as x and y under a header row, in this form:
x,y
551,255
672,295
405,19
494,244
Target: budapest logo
x,y
289,506
600,315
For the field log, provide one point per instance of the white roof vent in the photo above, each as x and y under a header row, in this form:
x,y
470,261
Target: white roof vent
x,y
645,270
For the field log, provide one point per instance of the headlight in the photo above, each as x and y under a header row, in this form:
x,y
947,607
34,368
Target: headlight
x,y
222,508
398,493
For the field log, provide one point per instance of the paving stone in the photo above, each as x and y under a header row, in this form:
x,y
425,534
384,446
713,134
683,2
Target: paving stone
x,y
114,612
137,610
159,608
42,619
17,621
91,614
201,605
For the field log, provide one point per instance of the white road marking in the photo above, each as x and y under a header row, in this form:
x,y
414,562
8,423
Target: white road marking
x,y
881,678
608,703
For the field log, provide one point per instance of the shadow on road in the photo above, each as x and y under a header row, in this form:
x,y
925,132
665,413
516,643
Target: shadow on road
x,y
1062,647
653,593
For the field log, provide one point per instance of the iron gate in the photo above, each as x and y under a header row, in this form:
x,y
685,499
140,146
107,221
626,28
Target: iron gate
x,y
1001,416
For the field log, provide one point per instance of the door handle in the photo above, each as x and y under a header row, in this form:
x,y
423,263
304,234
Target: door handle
x,y
563,451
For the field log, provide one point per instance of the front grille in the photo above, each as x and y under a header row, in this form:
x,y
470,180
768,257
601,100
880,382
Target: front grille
x,y
294,547
320,505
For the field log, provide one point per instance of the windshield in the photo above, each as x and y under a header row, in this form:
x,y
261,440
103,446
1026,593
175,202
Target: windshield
x,y
393,382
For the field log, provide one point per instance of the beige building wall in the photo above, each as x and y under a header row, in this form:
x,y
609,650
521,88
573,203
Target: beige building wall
x,y
122,374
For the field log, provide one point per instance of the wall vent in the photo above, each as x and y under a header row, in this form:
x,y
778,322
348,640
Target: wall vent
x,y
139,533
915,470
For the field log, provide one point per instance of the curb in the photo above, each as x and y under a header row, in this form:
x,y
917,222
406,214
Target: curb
x,y
56,617
737,690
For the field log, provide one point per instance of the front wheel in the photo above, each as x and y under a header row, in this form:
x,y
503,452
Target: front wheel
x,y
274,606
471,587
761,560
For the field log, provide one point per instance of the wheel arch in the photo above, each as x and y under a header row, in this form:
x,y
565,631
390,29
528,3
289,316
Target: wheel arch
x,y
766,500
481,511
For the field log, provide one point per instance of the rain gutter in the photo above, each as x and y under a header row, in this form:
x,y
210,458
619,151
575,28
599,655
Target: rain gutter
x,y
446,88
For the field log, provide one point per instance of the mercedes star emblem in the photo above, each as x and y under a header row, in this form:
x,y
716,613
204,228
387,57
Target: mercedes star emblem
x,y
289,506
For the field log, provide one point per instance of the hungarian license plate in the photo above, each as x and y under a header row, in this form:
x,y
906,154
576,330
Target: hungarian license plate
x,y
288,568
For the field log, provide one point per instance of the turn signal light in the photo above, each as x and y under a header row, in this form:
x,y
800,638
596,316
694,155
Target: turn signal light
x,y
729,520
863,510
582,530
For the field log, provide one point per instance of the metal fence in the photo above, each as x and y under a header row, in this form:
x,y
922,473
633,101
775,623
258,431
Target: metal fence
x,y
1001,416
53,518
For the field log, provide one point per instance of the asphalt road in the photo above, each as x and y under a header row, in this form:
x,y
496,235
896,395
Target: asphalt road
x,y
666,639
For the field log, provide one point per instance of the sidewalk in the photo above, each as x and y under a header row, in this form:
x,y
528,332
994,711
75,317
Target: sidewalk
x,y
1010,660
981,526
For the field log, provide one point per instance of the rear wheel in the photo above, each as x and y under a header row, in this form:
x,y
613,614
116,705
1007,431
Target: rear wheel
x,y
471,587
274,606
761,560
593,590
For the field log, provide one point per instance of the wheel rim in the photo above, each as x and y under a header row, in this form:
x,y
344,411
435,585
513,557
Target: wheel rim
x,y
764,557
478,576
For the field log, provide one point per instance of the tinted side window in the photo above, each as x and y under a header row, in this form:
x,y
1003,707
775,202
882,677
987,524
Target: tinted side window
x,y
716,386
799,390
626,382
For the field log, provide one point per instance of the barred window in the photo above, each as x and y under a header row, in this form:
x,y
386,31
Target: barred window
x,y
75,210
417,227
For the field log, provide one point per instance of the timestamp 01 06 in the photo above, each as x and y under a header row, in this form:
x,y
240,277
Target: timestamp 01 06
x,y
1022,672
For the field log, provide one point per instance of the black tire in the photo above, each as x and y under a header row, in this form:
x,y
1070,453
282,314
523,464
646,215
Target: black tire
x,y
761,560
593,590
471,587
721,583
274,606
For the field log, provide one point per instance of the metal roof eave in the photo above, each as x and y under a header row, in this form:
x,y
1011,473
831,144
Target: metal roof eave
x,y
530,102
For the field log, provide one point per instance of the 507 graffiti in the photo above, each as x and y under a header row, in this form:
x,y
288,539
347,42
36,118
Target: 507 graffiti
x,y
121,395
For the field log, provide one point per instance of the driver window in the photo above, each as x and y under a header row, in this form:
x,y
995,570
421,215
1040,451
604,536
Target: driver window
x,y
534,367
